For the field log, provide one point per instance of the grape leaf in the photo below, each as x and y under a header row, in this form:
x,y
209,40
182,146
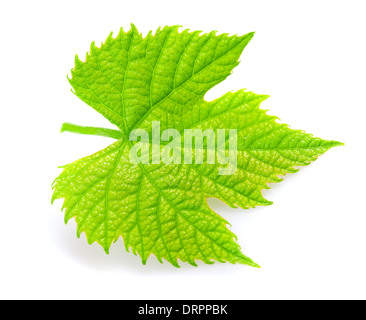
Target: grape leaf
x,y
159,208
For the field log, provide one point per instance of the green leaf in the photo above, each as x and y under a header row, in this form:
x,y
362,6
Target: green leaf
x,y
161,209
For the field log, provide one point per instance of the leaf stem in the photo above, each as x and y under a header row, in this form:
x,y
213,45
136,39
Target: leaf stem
x,y
96,131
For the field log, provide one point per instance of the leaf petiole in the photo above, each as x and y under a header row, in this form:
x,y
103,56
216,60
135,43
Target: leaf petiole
x,y
95,131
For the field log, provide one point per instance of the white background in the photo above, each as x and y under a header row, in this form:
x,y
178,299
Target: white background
x,y
311,243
